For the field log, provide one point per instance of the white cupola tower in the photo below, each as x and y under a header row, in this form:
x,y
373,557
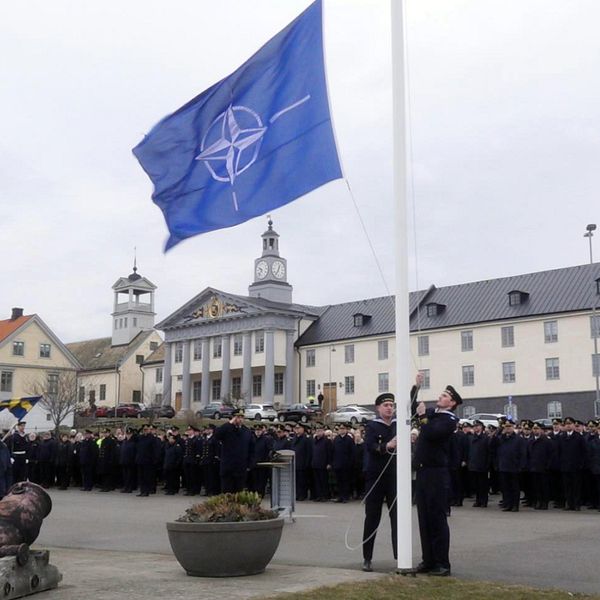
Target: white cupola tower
x,y
133,307
270,271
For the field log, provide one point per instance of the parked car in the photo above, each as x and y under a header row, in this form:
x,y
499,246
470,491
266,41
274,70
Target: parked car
x,y
299,412
160,412
485,418
216,410
131,410
351,414
260,411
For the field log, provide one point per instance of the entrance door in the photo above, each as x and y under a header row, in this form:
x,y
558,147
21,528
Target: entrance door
x,y
329,397
178,401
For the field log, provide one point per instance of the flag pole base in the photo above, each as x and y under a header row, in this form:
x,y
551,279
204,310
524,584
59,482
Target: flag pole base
x,y
406,572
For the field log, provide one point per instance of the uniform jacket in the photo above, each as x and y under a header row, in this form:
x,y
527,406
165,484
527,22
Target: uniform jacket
x,y
433,443
302,446
127,451
593,452
377,458
88,452
64,454
343,452
263,447
479,453
47,451
106,455
540,453
571,452
322,450
510,450
148,451
173,457
237,445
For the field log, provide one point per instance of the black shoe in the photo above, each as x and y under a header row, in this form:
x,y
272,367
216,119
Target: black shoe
x,y
422,568
439,572
514,509
367,566
143,495
507,509
476,505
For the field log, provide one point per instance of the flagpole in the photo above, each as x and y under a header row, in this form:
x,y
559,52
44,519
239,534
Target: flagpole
x,y
403,466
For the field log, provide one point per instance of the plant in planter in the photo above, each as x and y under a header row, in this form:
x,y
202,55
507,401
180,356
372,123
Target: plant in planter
x,y
227,535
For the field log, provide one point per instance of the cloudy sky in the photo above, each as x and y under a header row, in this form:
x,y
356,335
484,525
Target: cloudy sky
x,y
505,147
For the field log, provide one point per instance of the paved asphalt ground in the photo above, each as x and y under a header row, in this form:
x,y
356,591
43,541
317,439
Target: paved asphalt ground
x,y
112,545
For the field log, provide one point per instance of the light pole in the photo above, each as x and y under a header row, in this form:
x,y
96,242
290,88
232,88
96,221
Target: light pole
x,y
589,233
329,408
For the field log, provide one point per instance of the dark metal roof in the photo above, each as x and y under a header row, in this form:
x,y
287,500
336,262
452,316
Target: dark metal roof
x,y
570,289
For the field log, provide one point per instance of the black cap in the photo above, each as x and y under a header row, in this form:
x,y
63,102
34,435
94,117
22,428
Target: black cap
x,y
453,394
237,412
22,423
557,421
89,431
385,397
569,420
477,422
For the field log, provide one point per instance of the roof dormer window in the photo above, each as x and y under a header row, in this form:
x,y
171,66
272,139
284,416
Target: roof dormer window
x,y
598,285
360,319
434,309
516,297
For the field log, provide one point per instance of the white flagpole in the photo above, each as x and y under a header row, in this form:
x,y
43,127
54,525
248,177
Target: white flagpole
x,y
403,491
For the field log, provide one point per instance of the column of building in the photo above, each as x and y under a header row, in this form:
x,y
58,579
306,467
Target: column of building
x,y
247,367
205,385
186,380
225,372
167,375
269,388
288,377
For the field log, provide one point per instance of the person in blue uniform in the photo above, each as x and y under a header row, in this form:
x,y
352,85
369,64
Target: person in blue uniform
x,y
88,456
191,461
237,448
571,459
479,464
19,445
510,451
322,450
539,459
263,447
437,426
127,454
172,465
301,445
380,475
147,457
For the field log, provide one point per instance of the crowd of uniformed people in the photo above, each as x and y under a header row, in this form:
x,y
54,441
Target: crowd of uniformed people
x,y
527,463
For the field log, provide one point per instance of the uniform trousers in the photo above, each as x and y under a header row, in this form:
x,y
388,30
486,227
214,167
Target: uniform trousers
x,y
301,484
511,493
19,468
191,476
147,479
572,489
378,492
481,485
87,477
321,484
129,479
343,479
433,484
541,489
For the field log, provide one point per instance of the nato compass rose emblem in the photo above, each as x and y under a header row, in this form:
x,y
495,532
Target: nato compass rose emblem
x,y
232,142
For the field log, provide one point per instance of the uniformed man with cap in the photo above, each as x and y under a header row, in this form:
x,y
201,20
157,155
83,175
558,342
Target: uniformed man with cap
x,y
380,475
302,446
237,445
127,454
510,453
18,446
571,459
539,458
88,456
478,463
431,460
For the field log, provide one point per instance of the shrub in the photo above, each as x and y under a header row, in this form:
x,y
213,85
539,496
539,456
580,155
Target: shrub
x,y
228,508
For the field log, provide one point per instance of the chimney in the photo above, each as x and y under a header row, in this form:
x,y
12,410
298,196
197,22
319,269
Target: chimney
x,y
16,313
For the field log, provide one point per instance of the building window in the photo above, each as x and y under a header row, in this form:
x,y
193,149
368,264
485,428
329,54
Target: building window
x,y
426,379
153,346
125,319
552,368
136,396
178,352
358,320
102,391
159,375
383,382
468,375
508,336
139,359
423,341
554,409
135,321
349,384
157,399
259,342
197,349
237,345
44,350
217,347
256,386
52,384
216,389
595,365
466,340
116,323
18,348
278,384
550,332
196,391
514,298
382,349
349,353
236,387
468,411
511,410
595,326
310,358
92,396
81,393
310,388
508,372
6,378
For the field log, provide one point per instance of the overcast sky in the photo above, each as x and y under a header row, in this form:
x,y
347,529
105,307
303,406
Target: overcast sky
x,y
505,151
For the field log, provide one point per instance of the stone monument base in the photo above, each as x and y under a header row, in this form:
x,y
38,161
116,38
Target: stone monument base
x,y
27,574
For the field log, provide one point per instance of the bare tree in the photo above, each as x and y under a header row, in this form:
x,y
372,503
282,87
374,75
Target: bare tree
x,y
59,395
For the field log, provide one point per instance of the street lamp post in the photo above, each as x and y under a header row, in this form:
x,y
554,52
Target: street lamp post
x,y
589,233
329,408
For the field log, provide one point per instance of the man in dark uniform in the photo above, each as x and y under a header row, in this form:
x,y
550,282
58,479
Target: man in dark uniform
x,y
209,461
510,451
431,461
18,446
539,459
571,459
380,475
237,446
106,460
342,462
191,459
127,453
479,464
301,445
263,446
148,454
321,461
88,455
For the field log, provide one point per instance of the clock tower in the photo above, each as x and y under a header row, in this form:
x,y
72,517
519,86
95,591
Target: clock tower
x,y
270,271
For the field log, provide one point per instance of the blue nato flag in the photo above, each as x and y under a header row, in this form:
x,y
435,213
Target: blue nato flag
x,y
254,141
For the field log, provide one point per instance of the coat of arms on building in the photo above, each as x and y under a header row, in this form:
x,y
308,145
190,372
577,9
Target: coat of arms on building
x,y
213,309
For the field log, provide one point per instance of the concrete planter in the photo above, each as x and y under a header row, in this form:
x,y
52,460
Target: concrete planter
x,y
225,549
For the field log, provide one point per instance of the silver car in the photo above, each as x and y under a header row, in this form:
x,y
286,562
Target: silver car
x,y
260,411
351,414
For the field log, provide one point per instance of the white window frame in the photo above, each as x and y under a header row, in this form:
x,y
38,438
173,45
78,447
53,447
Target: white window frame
x,y
552,369
382,349
509,373
349,385
466,340
349,354
468,375
423,345
507,336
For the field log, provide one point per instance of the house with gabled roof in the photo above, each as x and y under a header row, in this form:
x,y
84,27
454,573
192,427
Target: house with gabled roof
x,y
32,362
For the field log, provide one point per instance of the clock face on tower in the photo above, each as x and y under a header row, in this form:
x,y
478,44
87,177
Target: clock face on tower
x,y
278,269
262,268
